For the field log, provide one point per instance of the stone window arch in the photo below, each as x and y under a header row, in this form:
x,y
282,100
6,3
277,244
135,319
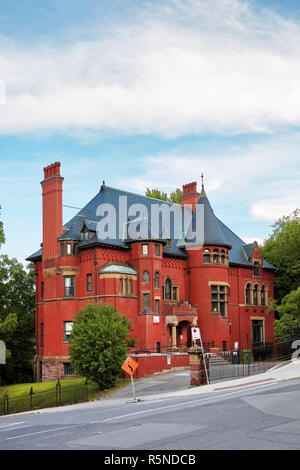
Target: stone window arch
x,y
248,294
255,294
263,296
168,289
206,256
216,256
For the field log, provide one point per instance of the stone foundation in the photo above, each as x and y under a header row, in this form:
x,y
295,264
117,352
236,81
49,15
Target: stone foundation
x,y
50,368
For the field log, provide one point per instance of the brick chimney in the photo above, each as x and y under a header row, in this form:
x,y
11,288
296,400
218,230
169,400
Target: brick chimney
x,y
190,194
52,209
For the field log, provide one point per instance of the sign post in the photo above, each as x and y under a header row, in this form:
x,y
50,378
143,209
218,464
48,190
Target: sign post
x,y
197,335
129,366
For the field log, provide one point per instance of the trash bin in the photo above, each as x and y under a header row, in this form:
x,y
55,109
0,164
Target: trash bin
x,y
246,356
235,356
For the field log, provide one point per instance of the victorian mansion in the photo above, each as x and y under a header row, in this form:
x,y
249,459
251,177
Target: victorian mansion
x,y
163,284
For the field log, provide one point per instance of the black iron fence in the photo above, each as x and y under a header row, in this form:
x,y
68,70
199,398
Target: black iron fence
x,y
32,400
255,360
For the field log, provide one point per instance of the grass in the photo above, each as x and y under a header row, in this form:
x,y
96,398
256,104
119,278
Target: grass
x,y
18,390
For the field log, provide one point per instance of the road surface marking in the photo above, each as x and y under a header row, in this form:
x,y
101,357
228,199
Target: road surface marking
x,y
41,432
192,402
4,425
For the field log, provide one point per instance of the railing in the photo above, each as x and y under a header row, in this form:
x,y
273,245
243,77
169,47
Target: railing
x,y
260,358
57,396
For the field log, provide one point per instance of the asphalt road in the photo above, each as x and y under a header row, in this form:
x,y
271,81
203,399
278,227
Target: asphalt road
x,y
260,416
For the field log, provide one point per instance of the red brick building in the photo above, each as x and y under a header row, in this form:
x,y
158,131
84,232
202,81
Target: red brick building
x,y
164,284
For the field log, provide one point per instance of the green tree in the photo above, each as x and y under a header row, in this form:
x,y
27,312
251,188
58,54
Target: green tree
x,y
282,249
17,313
2,238
175,196
99,343
289,314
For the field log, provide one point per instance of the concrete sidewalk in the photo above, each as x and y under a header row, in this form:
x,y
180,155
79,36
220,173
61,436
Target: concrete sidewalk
x,y
177,384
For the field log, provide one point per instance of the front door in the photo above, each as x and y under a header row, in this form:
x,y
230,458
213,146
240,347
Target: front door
x,y
257,333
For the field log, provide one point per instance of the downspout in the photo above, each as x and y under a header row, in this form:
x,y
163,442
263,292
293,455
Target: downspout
x,y
96,275
189,278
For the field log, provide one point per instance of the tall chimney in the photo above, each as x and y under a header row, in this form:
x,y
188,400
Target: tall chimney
x,y
52,209
190,194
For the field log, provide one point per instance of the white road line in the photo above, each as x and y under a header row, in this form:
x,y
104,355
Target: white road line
x,y
11,424
20,427
191,403
41,432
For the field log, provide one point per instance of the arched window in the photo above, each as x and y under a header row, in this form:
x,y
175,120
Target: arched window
x,y
206,256
223,257
156,280
263,295
145,276
255,295
248,294
216,256
168,290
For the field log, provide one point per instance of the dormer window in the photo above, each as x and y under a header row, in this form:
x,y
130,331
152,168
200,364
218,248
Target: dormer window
x,y
256,269
85,235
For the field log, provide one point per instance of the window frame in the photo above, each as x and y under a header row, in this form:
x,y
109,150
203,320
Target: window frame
x,y
72,286
89,283
42,335
219,299
67,322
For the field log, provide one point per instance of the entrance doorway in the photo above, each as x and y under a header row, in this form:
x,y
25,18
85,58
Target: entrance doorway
x,y
257,333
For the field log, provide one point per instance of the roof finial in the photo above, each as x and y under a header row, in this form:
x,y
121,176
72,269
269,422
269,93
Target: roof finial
x,y
202,191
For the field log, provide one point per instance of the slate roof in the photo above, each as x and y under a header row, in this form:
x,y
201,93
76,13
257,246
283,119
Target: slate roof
x,y
215,231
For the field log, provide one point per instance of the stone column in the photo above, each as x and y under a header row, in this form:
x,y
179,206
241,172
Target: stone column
x,y
197,368
174,337
173,322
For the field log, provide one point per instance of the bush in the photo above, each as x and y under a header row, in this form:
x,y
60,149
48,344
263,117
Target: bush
x,y
99,343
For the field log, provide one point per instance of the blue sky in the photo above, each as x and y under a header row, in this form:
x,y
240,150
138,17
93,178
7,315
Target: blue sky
x,y
150,94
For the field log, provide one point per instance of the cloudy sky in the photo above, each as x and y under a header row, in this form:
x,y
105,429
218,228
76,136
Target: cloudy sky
x,y
150,93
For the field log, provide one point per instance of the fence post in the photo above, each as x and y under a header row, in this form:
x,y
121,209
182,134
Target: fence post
x,y
31,395
5,404
58,393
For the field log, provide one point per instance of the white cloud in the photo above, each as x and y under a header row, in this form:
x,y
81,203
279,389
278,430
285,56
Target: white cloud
x,y
180,67
273,209
247,240
260,181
